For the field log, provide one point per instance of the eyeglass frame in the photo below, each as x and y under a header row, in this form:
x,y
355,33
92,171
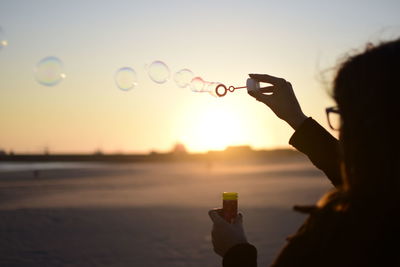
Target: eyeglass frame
x,y
328,110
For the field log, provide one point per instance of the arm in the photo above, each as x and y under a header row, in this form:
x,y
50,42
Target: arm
x,y
309,137
321,148
242,255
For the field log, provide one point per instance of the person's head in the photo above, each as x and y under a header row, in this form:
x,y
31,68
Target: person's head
x,y
367,92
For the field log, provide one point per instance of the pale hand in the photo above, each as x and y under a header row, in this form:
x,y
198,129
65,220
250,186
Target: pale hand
x,y
226,235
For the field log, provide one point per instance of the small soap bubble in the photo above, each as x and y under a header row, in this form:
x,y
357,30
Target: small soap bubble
x,y
3,40
183,77
159,72
197,84
126,78
211,87
49,71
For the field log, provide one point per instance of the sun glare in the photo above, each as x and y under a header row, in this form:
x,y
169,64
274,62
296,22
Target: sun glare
x,y
215,129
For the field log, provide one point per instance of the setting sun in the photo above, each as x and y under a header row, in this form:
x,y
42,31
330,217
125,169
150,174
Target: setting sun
x,y
214,129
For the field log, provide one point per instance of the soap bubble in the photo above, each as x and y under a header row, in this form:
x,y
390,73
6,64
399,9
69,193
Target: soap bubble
x,y
159,72
197,84
49,71
211,87
3,40
126,78
183,77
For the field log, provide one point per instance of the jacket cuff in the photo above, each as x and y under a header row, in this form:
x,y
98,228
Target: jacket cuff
x,y
241,255
309,135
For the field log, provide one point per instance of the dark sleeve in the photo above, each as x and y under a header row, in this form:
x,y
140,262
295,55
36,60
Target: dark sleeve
x,y
320,147
242,255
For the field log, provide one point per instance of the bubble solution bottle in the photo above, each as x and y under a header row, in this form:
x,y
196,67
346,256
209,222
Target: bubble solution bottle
x,y
229,206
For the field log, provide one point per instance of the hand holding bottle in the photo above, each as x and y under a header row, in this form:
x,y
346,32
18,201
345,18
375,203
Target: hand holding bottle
x,y
225,235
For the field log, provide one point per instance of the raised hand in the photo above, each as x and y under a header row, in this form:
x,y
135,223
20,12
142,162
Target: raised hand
x,y
280,98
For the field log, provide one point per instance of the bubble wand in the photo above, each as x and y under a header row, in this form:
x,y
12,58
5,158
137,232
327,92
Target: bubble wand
x,y
251,85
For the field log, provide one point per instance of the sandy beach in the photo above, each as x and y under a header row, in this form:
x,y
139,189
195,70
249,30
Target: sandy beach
x,y
147,214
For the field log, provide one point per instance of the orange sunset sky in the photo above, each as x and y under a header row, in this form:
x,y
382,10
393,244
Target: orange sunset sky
x,y
220,41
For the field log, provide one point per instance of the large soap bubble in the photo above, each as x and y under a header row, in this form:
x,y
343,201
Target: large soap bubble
x,y
183,77
126,78
49,71
159,72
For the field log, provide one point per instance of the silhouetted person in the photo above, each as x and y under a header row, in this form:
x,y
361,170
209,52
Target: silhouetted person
x,y
357,223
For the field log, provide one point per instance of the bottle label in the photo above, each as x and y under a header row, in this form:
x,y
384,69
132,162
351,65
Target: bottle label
x,y
230,210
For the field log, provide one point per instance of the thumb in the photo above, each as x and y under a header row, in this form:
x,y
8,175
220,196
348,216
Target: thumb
x,y
215,217
267,89
266,99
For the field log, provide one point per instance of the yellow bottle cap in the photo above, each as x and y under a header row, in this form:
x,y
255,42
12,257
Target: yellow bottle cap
x,y
229,196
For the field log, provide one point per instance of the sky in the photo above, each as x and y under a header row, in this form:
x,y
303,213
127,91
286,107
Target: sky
x,y
219,41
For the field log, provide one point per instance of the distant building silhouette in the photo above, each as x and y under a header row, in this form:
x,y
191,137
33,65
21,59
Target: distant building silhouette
x,y
98,152
239,149
179,149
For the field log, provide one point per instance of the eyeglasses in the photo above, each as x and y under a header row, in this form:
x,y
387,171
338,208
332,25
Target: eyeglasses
x,y
333,116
